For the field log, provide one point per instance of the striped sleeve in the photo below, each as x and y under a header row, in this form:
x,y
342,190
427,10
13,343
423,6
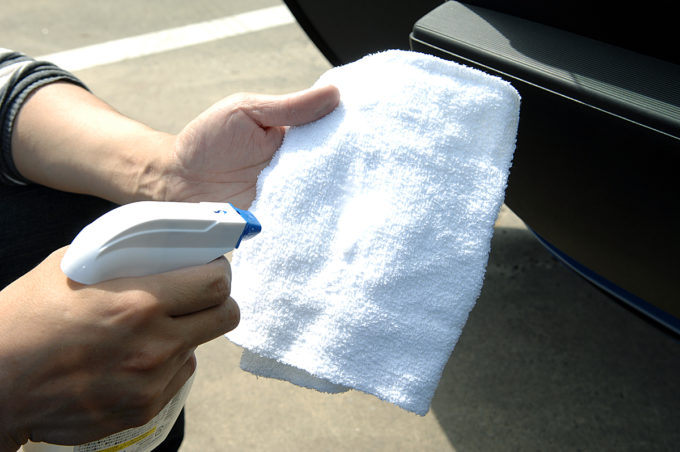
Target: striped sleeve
x,y
19,76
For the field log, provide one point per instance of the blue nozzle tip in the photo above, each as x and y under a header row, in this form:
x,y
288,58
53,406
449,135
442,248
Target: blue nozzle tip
x,y
252,227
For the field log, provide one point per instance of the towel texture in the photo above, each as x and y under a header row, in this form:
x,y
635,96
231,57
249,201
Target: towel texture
x,y
377,221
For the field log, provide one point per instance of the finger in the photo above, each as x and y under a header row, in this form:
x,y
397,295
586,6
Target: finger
x,y
206,325
294,109
194,289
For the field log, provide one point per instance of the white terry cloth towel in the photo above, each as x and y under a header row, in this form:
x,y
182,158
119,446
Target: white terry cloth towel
x,y
377,221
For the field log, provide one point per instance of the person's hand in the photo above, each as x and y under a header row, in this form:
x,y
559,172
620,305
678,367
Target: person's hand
x,y
218,156
78,363
67,138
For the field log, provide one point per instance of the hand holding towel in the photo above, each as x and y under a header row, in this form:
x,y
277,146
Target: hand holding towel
x,y
377,221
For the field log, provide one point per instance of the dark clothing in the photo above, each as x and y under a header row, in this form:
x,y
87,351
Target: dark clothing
x,y
36,220
19,76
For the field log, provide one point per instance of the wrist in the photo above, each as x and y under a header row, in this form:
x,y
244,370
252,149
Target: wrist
x,y
139,168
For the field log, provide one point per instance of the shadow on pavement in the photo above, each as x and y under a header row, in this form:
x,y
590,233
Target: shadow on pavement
x,y
548,362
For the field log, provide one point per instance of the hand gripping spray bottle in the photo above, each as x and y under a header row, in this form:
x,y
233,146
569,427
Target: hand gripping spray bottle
x,y
141,239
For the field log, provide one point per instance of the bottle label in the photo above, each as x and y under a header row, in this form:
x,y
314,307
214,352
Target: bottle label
x,y
146,437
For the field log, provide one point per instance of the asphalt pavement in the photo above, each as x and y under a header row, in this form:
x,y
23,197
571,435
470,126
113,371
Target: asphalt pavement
x,y
546,361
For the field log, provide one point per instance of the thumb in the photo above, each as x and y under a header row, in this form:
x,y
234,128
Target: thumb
x,y
294,109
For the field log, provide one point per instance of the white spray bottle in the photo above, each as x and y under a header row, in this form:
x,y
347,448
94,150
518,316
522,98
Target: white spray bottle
x,y
141,239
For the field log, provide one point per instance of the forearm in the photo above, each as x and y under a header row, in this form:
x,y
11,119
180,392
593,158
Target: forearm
x,y
66,138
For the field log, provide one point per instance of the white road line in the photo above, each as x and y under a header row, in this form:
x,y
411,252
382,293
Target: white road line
x,y
171,39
